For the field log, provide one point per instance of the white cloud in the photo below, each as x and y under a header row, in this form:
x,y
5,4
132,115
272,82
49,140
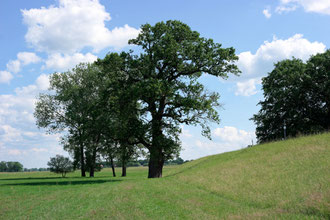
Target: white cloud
x,y
267,13
14,152
5,77
60,62
185,132
316,6
23,59
22,139
72,26
30,134
28,57
14,66
233,135
246,88
9,134
281,9
225,139
38,150
16,110
42,82
255,66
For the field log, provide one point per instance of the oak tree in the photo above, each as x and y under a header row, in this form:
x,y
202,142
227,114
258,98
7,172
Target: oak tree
x,y
166,77
296,97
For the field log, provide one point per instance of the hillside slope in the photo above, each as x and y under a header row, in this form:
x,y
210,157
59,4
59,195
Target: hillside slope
x,y
283,180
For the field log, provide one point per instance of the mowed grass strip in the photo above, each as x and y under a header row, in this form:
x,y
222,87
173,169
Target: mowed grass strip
x,y
283,180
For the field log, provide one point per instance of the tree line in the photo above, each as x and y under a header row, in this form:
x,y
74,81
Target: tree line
x,y
64,165
11,166
296,99
41,169
144,162
130,104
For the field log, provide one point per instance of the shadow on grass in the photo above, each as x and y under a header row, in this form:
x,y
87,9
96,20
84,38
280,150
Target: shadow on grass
x,y
32,178
60,183
49,178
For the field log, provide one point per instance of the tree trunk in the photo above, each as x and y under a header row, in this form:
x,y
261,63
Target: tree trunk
x,y
112,167
91,172
156,164
123,168
92,168
157,159
328,118
82,161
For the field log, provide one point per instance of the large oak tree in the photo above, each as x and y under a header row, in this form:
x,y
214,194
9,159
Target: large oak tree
x,y
173,58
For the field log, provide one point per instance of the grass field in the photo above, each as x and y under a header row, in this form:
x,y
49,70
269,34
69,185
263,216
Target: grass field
x,y
281,180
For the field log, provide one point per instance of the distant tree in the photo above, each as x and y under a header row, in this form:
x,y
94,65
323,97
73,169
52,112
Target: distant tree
x,y
60,164
297,96
10,166
42,169
3,166
14,166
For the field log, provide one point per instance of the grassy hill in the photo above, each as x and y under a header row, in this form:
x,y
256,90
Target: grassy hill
x,y
281,180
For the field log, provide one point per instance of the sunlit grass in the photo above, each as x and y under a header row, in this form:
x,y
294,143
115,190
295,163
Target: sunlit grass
x,y
280,180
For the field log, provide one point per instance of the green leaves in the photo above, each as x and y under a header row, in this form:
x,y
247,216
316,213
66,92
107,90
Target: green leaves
x,y
296,95
140,99
174,58
60,164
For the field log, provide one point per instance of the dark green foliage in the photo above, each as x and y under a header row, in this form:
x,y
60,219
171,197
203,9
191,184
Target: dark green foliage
x,y
36,169
75,104
125,101
3,166
10,166
60,164
121,108
176,161
318,82
173,59
92,163
297,96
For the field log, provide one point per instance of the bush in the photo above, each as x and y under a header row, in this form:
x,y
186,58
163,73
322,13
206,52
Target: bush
x,y
60,164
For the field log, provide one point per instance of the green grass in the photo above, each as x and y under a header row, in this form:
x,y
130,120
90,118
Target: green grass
x,y
281,180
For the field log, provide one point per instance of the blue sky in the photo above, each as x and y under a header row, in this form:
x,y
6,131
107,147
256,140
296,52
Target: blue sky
x,y
40,37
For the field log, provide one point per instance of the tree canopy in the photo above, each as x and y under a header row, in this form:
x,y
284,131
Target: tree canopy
x,y
296,95
173,59
128,101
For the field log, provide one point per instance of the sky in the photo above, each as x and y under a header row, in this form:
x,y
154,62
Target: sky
x,y
40,37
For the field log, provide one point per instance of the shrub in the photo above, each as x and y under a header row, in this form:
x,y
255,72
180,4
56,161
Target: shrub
x,y
60,164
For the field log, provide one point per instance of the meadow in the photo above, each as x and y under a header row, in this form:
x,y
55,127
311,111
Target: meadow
x,y
280,180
